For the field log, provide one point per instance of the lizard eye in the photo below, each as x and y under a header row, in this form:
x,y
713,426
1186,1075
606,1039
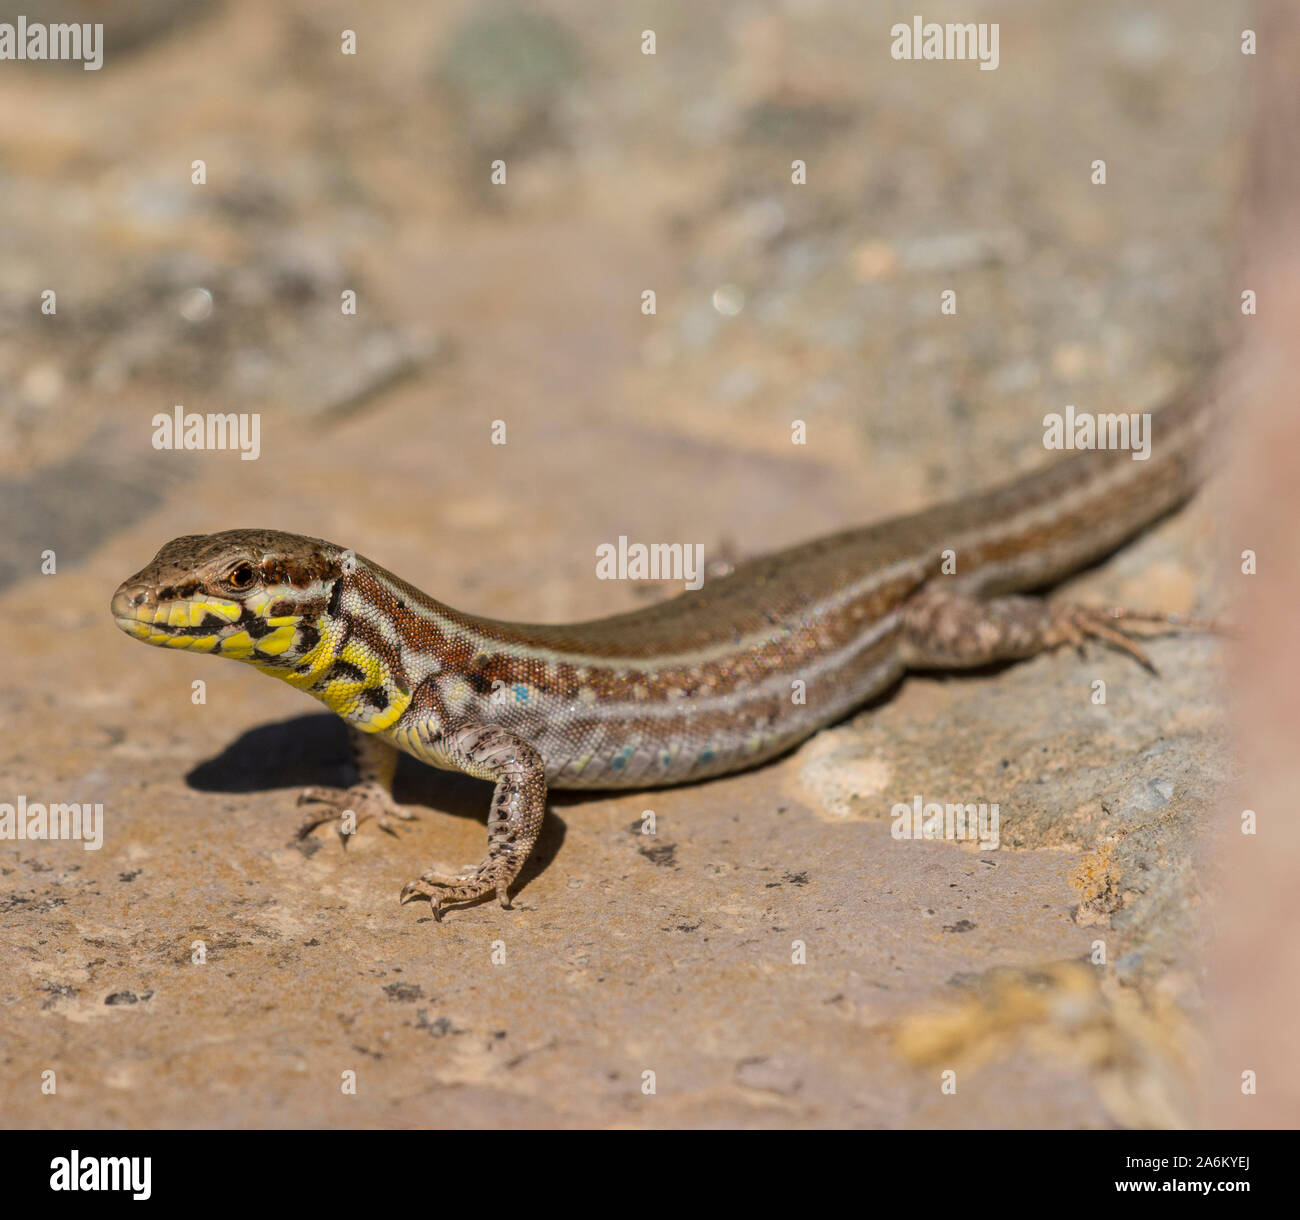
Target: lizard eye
x,y
243,576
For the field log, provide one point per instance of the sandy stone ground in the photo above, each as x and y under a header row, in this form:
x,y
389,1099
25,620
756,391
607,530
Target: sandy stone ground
x,y
772,956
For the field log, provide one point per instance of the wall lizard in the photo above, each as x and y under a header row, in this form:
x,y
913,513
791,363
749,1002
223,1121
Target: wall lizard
x,y
693,687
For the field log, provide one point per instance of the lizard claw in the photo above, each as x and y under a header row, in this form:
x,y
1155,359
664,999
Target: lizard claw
x,y
413,890
1074,624
363,801
440,888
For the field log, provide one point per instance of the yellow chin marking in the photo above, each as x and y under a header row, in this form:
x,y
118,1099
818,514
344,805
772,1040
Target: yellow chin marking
x,y
157,637
275,643
344,696
186,614
226,610
239,646
356,653
398,702
313,664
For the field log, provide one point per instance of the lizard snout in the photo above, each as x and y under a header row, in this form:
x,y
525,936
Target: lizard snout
x,y
130,598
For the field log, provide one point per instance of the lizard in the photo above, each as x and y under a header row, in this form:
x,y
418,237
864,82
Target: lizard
x,y
687,689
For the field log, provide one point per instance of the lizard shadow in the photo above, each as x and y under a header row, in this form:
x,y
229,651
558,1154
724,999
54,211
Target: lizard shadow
x,y
312,750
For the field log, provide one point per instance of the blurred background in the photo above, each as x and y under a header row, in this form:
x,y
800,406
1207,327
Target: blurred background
x,y
626,172
523,302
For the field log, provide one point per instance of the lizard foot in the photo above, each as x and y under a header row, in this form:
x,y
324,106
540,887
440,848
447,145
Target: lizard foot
x,y
361,802
1074,624
442,888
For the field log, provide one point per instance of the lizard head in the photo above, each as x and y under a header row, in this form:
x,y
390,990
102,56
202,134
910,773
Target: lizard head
x,y
254,595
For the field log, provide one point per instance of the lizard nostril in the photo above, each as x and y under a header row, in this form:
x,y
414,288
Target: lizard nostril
x,y
128,597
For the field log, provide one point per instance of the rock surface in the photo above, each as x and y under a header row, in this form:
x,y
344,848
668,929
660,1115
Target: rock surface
x,y
772,955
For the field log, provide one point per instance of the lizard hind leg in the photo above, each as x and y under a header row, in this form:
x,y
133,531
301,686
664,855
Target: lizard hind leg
x,y
514,818
948,629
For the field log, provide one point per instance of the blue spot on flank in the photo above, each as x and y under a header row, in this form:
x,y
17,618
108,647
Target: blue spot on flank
x,y
707,754
521,694
619,761
665,759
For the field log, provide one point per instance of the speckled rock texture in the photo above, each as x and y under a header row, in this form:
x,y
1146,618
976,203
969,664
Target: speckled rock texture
x,y
772,956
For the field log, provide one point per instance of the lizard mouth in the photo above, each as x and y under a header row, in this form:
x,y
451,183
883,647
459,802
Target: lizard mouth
x,y
136,612
206,623
175,637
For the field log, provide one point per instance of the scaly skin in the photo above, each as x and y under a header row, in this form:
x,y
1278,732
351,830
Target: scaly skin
x,y
698,686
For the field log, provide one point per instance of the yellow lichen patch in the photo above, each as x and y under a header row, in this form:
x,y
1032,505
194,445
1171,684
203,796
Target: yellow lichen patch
x,y
1135,1049
1097,880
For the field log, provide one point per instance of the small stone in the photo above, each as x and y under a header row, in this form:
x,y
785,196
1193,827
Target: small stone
x,y
772,1074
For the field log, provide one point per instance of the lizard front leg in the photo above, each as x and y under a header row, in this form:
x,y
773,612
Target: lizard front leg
x,y
370,797
514,818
